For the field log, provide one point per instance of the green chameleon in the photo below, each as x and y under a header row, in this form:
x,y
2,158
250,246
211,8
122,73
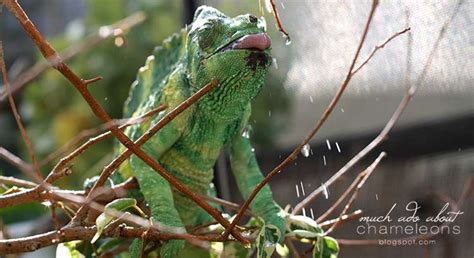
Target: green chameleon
x,y
236,53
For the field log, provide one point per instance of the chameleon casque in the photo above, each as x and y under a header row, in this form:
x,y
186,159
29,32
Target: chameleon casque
x,y
236,53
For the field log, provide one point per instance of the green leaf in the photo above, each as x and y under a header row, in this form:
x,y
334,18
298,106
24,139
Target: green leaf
x,y
327,247
267,240
68,250
135,248
302,223
104,219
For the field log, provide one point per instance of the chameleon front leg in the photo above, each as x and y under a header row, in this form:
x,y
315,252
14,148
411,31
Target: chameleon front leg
x,y
247,174
156,190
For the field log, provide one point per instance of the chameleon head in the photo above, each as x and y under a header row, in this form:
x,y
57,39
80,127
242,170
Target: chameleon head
x,y
234,51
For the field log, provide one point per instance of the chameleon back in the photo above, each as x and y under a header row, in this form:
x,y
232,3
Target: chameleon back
x,y
152,76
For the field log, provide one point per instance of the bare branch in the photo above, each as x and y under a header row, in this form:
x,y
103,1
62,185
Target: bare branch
x,y
15,161
392,121
278,21
9,180
366,174
37,177
378,47
341,198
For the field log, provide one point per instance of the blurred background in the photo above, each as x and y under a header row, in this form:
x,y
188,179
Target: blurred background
x,y
430,151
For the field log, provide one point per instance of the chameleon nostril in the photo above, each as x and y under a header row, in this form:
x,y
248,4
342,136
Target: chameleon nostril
x,y
253,19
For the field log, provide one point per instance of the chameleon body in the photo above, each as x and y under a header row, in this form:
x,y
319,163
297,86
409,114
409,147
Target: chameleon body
x,y
236,53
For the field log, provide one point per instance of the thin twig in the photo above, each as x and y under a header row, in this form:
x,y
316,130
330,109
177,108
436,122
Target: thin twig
x,y
319,124
104,33
342,197
9,180
15,161
410,92
278,21
328,223
378,47
367,173
37,176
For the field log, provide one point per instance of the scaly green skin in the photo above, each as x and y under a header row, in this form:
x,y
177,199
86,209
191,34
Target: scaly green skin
x,y
189,146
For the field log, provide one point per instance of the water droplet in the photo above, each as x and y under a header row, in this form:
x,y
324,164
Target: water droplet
x,y
288,41
105,31
328,144
253,149
119,41
311,99
305,150
325,191
302,188
324,160
106,98
377,197
297,191
304,212
47,203
282,5
275,63
342,110
246,133
312,213
269,113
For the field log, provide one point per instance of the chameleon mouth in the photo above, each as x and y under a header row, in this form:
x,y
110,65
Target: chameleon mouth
x,y
258,42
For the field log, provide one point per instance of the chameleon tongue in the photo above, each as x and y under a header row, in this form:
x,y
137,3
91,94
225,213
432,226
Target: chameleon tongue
x,y
259,41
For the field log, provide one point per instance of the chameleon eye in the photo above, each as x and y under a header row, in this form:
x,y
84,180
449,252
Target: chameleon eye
x,y
206,34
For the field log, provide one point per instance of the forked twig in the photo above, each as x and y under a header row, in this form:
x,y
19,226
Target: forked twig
x,y
410,92
341,198
36,176
366,174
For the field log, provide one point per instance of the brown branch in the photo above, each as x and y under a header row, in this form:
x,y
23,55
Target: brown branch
x,y
354,215
319,124
37,176
15,161
278,21
33,243
9,180
378,47
366,174
55,60
88,43
342,197
410,92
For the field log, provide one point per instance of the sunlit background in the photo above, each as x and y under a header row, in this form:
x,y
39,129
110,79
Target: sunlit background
x,y
430,151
